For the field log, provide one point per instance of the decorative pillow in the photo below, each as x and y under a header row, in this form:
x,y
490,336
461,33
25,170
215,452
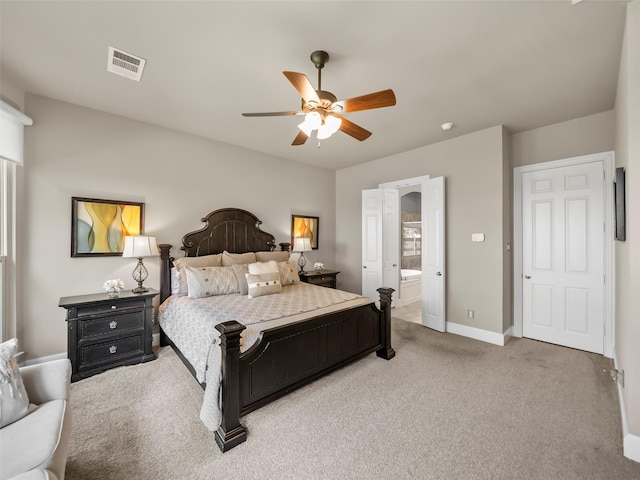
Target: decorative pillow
x,y
229,259
263,267
210,281
241,275
175,281
268,256
184,262
263,284
288,273
14,402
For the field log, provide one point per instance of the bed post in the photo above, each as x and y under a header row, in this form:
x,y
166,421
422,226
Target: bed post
x,y
386,352
165,271
230,432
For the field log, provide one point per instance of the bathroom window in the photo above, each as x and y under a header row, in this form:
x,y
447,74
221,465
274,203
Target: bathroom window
x,y
411,238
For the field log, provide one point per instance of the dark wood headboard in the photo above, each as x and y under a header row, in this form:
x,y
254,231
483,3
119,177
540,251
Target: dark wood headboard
x,y
231,229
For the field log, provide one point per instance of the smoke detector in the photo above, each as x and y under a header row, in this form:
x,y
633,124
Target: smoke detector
x,y
125,64
446,126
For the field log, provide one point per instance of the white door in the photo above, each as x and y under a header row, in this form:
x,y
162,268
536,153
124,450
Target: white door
x,y
563,256
372,265
433,254
391,241
380,241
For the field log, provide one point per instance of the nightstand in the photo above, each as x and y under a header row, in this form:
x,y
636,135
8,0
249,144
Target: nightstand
x,y
104,333
322,278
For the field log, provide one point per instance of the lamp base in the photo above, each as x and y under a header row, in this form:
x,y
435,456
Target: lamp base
x,y
140,289
302,262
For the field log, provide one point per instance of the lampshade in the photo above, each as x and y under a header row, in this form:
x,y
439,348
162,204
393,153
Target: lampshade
x,y
138,247
329,127
301,244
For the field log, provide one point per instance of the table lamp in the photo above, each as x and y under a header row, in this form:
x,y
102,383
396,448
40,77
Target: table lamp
x,y
140,247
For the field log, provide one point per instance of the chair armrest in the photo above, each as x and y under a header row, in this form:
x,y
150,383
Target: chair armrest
x,y
47,381
36,475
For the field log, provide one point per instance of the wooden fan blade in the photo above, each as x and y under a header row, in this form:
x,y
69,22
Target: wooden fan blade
x,y
303,86
300,138
385,98
354,130
271,114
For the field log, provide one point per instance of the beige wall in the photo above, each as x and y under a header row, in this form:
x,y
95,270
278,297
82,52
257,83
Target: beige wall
x,y
628,253
73,151
581,136
473,169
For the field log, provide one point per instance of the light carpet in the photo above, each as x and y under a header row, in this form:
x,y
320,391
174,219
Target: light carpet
x,y
446,407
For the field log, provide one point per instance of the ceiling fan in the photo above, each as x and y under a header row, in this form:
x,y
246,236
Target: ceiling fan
x,y
322,110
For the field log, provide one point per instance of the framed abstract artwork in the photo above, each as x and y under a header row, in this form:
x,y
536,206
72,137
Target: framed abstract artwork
x,y
98,227
305,227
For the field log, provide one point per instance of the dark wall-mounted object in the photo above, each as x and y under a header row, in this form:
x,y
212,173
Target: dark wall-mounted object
x,y
619,189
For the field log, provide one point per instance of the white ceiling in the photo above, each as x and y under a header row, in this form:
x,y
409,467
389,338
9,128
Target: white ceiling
x,y
523,64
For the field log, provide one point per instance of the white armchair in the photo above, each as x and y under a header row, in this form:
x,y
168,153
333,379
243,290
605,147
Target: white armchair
x,y
36,446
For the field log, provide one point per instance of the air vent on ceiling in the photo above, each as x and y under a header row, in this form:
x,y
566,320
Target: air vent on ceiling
x,y
125,64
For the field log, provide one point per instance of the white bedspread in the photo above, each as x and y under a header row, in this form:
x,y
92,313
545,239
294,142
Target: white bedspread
x,y
190,323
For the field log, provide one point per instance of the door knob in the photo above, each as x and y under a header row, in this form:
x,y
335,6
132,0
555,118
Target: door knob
x,y
364,266
439,274
527,277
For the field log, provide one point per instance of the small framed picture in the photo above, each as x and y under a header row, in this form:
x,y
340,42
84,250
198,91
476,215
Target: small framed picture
x,y
98,227
305,227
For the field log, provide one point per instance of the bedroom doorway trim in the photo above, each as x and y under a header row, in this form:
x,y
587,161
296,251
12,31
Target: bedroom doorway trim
x,y
607,159
434,298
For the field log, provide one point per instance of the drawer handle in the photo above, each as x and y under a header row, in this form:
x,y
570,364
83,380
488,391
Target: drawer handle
x,y
113,349
113,324
113,307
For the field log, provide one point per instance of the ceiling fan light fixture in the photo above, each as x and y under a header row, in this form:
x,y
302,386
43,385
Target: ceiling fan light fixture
x,y
330,126
324,132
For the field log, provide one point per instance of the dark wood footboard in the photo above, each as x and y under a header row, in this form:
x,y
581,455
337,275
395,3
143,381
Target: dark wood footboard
x,y
286,358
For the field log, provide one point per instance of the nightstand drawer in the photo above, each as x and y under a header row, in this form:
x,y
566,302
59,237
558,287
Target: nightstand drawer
x,y
324,279
321,278
108,307
109,351
111,324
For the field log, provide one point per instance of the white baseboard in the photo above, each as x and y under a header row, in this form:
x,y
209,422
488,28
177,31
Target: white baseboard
x,y
48,358
630,442
631,447
155,342
479,334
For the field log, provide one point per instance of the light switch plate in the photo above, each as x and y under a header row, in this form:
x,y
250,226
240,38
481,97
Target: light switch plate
x,y
477,237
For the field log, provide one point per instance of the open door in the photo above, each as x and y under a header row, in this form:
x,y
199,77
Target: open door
x,y
433,254
380,241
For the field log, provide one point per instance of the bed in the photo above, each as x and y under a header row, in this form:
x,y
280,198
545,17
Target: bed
x,y
283,357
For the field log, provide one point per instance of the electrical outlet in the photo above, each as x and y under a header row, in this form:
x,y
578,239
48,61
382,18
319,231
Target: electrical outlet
x,y
470,313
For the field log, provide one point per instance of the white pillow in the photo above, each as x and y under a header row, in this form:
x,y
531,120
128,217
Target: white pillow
x,y
241,275
14,402
175,281
263,267
210,281
183,262
263,284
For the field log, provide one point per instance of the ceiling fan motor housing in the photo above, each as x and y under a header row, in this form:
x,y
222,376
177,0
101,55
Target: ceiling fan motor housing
x,y
319,58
